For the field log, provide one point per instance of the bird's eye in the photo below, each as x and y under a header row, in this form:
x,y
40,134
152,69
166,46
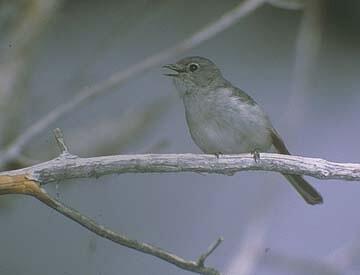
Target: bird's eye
x,y
193,67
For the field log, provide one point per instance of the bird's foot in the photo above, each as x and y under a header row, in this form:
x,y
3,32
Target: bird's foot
x,y
218,154
256,155
227,173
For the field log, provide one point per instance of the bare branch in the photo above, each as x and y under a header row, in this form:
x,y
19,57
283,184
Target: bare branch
x,y
211,249
22,185
121,239
225,21
60,169
27,182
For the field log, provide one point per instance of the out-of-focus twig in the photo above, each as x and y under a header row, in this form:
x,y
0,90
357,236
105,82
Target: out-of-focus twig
x,y
248,256
108,136
120,28
307,49
225,21
113,135
288,4
24,21
28,23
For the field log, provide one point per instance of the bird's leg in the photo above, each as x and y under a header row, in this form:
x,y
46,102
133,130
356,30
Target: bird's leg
x,y
256,155
217,155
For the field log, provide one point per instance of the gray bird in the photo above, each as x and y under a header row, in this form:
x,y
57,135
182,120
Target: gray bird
x,y
223,119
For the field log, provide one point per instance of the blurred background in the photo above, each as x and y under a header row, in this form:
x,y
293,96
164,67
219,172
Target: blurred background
x,y
300,60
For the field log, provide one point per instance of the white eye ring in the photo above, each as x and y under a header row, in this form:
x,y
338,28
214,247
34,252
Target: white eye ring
x,y
193,67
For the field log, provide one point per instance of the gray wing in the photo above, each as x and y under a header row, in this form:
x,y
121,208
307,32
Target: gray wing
x,y
241,95
278,143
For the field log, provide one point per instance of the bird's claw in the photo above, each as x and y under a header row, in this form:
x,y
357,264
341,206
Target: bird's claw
x,y
256,155
218,154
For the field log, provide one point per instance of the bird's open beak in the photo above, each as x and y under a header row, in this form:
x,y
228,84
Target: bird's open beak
x,y
174,67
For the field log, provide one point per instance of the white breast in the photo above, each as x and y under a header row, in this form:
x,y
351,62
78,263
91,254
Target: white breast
x,y
221,123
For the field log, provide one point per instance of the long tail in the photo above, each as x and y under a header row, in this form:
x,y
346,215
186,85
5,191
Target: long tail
x,y
309,193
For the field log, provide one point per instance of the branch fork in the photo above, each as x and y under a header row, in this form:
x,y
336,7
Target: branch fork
x,y
64,151
25,184
27,181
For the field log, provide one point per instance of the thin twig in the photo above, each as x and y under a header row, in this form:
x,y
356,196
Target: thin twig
x,y
225,21
121,239
211,249
22,184
59,136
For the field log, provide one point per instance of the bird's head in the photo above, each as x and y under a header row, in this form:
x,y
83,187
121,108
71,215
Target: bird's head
x,y
193,73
